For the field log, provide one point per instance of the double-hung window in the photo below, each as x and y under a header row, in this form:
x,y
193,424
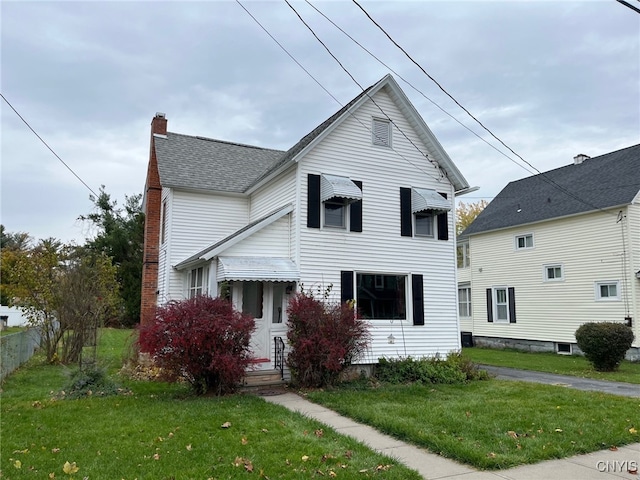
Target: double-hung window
x,y
197,281
334,202
553,273
464,300
462,255
501,305
424,213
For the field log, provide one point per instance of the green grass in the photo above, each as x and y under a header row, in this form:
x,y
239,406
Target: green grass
x,y
574,365
11,330
492,424
159,431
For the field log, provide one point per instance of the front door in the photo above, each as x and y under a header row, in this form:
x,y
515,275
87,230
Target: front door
x,y
267,303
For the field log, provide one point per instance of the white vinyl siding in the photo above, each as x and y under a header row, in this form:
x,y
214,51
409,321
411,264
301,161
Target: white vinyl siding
x,y
379,248
553,311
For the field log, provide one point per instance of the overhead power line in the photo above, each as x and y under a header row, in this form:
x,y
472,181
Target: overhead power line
x,y
627,4
47,145
542,175
327,91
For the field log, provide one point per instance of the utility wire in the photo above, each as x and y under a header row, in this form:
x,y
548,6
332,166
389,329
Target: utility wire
x,y
361,87
46,145
542,175
627,4
328,92
413,86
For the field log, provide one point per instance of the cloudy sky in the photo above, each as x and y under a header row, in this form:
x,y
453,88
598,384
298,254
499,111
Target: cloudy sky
x,y
550,78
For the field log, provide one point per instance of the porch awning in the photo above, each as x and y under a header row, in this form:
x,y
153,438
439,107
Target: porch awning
x,y
332,186
426,199
265,269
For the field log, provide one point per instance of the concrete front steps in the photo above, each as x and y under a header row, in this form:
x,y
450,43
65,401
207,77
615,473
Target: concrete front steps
x,y
261,379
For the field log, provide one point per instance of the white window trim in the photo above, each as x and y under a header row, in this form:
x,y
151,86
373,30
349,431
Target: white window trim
x,y
524,235
494,299
205,281
374,141
545,272
465,286
466,254
345,216
434,225
597,286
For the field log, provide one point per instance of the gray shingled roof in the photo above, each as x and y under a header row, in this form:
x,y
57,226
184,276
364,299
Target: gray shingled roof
x,y
190,162
205,164
601,182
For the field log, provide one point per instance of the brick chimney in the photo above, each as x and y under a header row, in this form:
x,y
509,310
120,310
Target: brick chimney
x,y
153,207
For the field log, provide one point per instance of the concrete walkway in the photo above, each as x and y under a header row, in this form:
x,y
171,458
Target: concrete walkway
x,y
602,465
615,388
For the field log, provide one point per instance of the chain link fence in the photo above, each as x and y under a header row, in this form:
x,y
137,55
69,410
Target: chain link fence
x,y
16,349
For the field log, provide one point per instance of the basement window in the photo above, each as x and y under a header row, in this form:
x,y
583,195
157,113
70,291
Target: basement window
x,y
563,348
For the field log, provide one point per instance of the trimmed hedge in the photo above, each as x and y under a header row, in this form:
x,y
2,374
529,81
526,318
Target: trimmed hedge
x,y
604,344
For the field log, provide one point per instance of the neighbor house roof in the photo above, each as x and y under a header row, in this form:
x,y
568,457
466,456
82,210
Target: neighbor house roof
x,y
607,181
199,163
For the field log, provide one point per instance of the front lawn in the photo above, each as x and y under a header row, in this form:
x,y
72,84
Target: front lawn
x,y
158,431
492,424
574,365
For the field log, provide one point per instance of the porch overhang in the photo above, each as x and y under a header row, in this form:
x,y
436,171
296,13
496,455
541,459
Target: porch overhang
x,y
423,199
263,269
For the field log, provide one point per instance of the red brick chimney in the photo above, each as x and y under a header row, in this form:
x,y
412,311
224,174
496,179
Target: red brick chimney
x,y
153,206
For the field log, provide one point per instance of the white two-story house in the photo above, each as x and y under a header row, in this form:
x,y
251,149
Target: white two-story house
x,y
554,251
363,203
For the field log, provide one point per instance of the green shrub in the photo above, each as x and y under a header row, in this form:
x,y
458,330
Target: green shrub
x,y
92,381
454,369
604,344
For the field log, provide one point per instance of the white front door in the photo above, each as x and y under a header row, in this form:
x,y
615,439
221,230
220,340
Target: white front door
x,y
267,303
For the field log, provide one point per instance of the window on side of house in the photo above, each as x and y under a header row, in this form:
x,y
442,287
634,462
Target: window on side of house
x,y
197,281
382,296
425,224
462,255
335,213
163,225
553,273
464,300
501,304
252,298
608,291
524,241
381,132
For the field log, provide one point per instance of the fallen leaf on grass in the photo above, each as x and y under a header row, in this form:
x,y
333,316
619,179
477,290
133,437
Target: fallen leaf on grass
x,y
225,425
70,468
55,450
348,454
264,430
512,434
189,447
558,430
319,432
52,475
305,458
17,464
156,456
633,431
491,455
332,474
613,448
383,467
244,441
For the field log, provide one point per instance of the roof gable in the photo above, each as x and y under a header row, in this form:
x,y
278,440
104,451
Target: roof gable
x,y
602,182
198,163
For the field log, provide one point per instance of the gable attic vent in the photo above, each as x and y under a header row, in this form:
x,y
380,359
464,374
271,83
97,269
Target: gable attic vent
x,y
581,157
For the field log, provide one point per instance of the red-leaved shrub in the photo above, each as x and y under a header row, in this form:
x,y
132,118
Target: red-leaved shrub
x,y
202,339
325,339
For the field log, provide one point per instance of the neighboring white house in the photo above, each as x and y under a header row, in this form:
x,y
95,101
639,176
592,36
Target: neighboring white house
x,y
363,203
554,251
12,315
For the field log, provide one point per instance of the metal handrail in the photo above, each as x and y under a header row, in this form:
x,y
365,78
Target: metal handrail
x,y
279,355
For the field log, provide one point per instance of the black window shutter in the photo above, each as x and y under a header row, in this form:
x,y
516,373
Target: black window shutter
x,y
346,286
355,214
406,216
418,299
489,305
443,224
512,305
313,201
